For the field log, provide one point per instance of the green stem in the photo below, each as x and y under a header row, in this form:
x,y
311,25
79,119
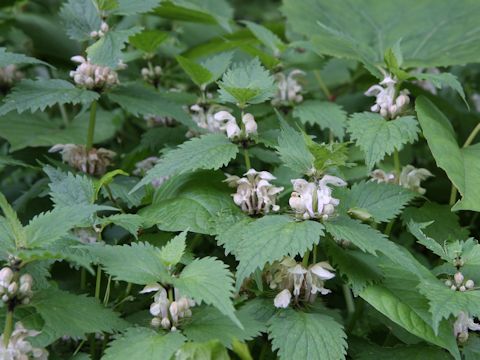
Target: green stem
x,y
305,258
396,162
453,196
322,84
247,159
106,298
315,249
389,227
83,279
98,283
348,299
7,332
91,125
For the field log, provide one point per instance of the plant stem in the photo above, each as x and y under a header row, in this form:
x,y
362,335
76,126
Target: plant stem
x,y
83,278
396,162
389,227
322,84
348,299
305,258
98,283
7,332
106,298
315,249
91,125
247,159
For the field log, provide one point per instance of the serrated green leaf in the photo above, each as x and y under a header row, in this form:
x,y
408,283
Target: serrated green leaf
x,y
148,41
145,344
267,37
80,17
247,83
218,64
8,58
144,262
12,234
208,280
172,253
432,245
443,80
400,352
66,314
199,351
299,335
461,165
128,7
130,222
39,94
211,151
67,189
378,137
328,155
326,114
293,150
198,73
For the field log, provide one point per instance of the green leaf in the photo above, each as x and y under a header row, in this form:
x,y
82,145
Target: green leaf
x,y
144,262
39,94
218,64
145,344
327,155
299,335
107,51
128,7
199,74
268,38
107,179
383,201
270,238
172,252
400,352
199,351
247,83
12,234
208,280
378,137
432,245
211,151
462,165
148,41
80,17
66,314
293,150
326,114
443,80
430,35
8,58
67,189
130,222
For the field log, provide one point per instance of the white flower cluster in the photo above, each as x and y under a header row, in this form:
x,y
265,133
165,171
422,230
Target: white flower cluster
x,y
18,348
154,120
9,75
410,177
313,200
94,77
255,194
388,103
462,324
204,118
101,32
289,89
86,235
93,161
143,166
20,290
151,75
167,314
228,123
294,279
459,283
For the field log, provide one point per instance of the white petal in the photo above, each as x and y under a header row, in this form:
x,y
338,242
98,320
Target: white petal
x,y
283,298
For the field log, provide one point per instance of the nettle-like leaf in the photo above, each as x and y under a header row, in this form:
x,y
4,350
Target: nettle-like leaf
x,y
39,94
208,280
172,252
327,155
80,17
368,351
357,30
270,238
462,165
198,73
67,189
208,350
66,314
293,150
148,41
130,222
326,114
12,234
443,80
266,36
432,245
211,151
296,334
382,201
378,137
247,83
127,7
144,343
107,51
8,58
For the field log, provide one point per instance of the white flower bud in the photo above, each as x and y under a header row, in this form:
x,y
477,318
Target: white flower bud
x,y
458,277
453,287
104,27
462,288
5,298
469,284
6,276
145,72
12,288
165,323
157,70
155,322
94,34
283,298
448,283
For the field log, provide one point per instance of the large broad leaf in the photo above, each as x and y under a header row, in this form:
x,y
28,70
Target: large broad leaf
x,y
18,129
67,189
299,335
39,94
148,41
431,32
80,17
8,58
378,137
293,150
369,351
211,151
128,7
145,344
462,165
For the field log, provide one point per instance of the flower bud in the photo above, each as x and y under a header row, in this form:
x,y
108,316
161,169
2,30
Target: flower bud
x,y
104,27
283,298
469,284
174,309
12,288
158,70
145,72
453,287
462,288
94,34
165,323
155,322
448,283
5,298
6,276
458,277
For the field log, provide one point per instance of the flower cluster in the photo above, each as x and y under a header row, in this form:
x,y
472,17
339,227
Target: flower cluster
x,y
255,194
9,75
20,290
151,75
462,324
93,161
294,279
289,89
313,200
154,120
100,33
143,166
388,103
459,283
18,348
228,123
168,313
86,235
94,77
410,177
204,118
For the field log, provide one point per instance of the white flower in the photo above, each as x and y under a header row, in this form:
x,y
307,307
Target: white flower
x,y
315,279
289,90
8,76
283,298
18,348
95,77
298,274
151,75
93,162
85,235
462,324
204,118
388,103
314,199
6,277
228,123
255,194
101,32
411,177
381,176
